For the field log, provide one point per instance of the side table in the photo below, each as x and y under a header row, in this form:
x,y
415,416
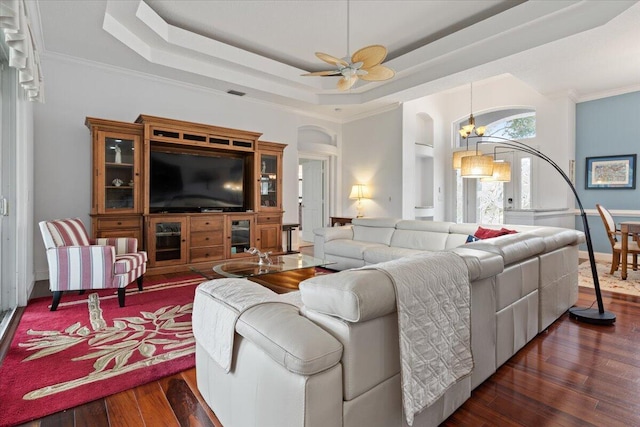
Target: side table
x,y
289,228
340,220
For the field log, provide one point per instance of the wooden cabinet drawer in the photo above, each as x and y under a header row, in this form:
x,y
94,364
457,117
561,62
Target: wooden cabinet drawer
x,y
108,223
269,219
207,223
109,234
206,238
207,254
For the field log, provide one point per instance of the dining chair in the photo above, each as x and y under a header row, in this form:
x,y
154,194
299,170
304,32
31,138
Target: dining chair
x,y
616,246
77,263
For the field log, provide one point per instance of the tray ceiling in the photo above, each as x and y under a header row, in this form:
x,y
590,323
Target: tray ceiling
x,y
261,48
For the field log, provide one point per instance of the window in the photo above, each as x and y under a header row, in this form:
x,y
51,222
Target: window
x,y
525,183
518,126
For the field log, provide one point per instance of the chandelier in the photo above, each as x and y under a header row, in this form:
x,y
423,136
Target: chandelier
x,y
471,126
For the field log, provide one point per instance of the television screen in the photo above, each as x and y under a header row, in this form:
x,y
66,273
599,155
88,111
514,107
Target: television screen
x,y
182,182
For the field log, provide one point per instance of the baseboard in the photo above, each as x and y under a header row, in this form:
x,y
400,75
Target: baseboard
x,y
599,256
9,331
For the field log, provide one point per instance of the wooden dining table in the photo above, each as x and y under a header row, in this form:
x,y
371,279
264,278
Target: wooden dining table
x,y
627,228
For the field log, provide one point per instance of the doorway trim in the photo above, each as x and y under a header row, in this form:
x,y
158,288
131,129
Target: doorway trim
x,y
329,166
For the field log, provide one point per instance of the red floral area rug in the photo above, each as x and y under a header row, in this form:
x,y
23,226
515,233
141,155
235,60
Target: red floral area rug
x,y
610,282
91,348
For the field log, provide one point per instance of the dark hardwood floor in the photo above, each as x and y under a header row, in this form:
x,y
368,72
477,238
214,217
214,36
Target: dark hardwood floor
x,y
573,374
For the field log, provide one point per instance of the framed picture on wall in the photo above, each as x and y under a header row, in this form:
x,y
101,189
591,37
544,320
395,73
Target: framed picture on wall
x,y
611,172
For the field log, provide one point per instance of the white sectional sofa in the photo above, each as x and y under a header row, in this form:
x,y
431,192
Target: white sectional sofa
x,y
335,360
546,257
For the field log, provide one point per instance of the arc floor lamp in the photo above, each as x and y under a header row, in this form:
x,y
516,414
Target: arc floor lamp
x,y
588,315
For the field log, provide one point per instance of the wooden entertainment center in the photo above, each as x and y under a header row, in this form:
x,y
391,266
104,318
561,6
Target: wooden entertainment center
x,y
177,238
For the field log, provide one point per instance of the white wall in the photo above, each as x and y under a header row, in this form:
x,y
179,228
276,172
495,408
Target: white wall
x,y
372,155
555,118
75,90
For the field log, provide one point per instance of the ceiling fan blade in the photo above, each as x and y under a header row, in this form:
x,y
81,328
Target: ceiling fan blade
x,y
378,73
323,73
345,83
332,59
370,56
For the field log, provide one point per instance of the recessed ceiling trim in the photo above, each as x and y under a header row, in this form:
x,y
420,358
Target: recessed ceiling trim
x,y
513,31
184,39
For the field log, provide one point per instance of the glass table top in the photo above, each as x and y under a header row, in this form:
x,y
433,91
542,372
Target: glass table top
x,y
250,266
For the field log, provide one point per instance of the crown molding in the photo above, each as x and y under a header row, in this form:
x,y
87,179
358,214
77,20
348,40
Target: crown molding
x,y
180,83
608,93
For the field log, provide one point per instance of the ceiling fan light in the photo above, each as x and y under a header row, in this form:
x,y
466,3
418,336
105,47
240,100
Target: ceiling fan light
x,y
477,166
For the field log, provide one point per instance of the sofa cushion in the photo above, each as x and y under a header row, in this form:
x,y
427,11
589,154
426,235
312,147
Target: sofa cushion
x,y
512,247
424,240
481,264
556,238
334,233
373,234
290,339
376,230
418,225
376,254
376,222
352,295
349,248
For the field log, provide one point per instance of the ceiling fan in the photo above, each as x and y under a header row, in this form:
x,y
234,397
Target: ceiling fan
x,y
364,64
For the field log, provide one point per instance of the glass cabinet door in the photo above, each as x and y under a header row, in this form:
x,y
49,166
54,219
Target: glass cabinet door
x,y
168,243
120,173
241,235
269,182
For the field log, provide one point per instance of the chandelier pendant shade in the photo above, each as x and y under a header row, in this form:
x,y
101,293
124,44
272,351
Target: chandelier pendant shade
x,y
501,172
458,155
476,166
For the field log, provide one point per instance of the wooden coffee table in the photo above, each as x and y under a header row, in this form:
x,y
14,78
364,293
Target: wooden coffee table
x,y
284,274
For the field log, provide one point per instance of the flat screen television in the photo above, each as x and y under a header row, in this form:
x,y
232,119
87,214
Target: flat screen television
x,y
181,182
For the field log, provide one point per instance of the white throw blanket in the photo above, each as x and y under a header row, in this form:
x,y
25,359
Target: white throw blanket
x,y
433,298
217,306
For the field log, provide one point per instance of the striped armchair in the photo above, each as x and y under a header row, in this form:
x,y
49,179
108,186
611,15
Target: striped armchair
x,y
77,262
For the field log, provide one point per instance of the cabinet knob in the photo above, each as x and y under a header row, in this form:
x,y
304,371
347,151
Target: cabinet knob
x,y
206,223
183,240
206,238
119,223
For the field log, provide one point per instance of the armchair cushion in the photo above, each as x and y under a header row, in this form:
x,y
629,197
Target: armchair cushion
x,y
66,232
123,245
80,267
129,262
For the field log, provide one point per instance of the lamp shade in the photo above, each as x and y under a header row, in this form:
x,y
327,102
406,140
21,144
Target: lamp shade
x,y
458,155
478,166
360,191
501,172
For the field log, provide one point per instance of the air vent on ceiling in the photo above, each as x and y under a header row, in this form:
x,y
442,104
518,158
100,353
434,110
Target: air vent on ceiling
x,y
236,93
